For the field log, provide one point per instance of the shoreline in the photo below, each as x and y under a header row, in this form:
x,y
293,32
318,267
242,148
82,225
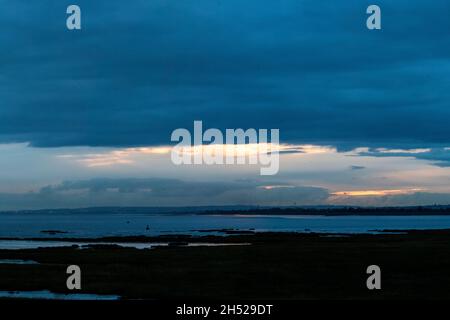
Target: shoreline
x,y
224,236
438,210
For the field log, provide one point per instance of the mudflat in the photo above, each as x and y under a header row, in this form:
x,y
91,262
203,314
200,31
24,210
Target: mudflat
x,y
414,264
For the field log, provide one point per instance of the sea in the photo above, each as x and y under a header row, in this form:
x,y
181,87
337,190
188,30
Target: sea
x,y
95,225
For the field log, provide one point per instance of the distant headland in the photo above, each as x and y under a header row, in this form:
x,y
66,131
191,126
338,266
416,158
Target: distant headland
x,y
254,210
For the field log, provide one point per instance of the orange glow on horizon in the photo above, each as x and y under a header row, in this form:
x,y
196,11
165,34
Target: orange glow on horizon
x,y
375,193
275,187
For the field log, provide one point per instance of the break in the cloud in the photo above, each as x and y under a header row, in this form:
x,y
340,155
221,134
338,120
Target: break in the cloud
x,y
388,200
309,175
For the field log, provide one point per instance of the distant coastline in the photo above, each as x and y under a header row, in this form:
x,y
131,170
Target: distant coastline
x,y
443,210
342,211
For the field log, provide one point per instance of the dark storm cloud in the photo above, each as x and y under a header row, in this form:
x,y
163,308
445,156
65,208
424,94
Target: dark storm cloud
x,y
437,156
159,192
139,69
172,192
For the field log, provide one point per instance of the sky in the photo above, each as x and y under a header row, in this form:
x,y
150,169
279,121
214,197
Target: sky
x,y
86,115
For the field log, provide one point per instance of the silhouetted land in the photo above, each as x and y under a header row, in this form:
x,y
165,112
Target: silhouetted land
x,y
255,210
274,266
340,211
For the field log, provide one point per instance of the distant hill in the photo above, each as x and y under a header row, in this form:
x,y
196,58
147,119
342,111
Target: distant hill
x,y
343,211
254,210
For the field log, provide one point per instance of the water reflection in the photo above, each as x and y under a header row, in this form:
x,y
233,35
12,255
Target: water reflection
x,y
47,295
16,261
34,244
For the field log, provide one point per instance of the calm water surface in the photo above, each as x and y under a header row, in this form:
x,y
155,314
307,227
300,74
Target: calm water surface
x,y
47,295
100,225
34,244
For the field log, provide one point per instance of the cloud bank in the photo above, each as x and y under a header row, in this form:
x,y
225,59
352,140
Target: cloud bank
x,y
157,192
160,192
137,70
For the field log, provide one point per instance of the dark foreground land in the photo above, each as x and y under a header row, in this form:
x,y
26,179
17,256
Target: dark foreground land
x,y
274,266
